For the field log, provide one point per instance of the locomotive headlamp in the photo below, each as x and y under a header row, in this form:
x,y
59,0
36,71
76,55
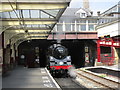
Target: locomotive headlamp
x,y
51,58
61,63
68,57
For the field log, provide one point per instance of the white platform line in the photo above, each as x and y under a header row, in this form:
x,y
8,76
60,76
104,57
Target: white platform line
x,y
53,80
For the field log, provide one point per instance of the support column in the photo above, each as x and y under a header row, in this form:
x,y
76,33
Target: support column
x,y
1,55
112,51
64,29
3,49
98,50
75,26
87,29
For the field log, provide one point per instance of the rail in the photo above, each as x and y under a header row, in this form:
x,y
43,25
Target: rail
x,y
101,81
69,84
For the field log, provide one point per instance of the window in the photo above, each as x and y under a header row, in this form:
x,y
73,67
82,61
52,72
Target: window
x,y
83,27
82,14
92,21
82,21
35,14
55,28
91,27
73,27
77,27
59,27
105,50
68,27
119,9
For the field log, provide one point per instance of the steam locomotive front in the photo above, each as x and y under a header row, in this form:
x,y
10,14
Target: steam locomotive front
x,y
59,60
60,52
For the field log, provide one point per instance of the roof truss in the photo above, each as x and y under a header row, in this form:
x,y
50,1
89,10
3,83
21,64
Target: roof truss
x,y
31,19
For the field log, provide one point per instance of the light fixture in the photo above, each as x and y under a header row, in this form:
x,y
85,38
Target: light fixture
x,y
61,63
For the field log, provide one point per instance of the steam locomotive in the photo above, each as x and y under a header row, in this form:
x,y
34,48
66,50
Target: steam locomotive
x,y
58,60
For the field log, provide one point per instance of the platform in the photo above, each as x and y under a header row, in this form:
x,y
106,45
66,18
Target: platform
x,y
29,78
113,67
111,73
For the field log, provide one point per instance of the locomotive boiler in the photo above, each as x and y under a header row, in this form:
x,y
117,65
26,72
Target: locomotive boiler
x,y
58,60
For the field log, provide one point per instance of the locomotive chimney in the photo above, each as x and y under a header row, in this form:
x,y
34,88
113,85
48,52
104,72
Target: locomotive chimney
x,y
59,41
86,4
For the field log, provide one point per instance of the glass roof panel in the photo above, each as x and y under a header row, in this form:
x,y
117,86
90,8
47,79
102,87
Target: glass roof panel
x,y
26,14
29,26
34,13
42,25
30,14
52,12
36,25
44,15
5,15
13,15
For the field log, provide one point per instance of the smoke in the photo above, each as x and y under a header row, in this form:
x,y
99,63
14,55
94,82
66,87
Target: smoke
x,y
60,32
59,36
71,72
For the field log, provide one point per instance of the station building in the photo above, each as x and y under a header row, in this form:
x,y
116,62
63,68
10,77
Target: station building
x,y
108,44
78,25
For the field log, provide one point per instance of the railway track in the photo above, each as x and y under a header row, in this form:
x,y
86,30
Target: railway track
x,y
69,84
96,81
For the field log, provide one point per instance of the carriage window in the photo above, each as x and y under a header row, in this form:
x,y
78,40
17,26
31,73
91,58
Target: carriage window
x,y
105,50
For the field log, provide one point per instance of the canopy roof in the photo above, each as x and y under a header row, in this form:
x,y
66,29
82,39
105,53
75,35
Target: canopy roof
x,y
30,19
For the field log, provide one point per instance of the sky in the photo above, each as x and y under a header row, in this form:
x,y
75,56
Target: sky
x,y
95,5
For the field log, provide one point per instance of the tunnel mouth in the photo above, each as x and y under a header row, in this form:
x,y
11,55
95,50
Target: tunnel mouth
x,y
36,51
76,51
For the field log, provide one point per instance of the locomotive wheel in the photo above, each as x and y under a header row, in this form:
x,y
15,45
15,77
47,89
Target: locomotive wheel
x,y
61,71
52,73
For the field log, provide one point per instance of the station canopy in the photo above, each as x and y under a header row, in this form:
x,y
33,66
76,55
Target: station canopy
x,y
30,19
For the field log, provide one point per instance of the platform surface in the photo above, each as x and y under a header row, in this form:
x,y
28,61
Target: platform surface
x,y
28,78
113,67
